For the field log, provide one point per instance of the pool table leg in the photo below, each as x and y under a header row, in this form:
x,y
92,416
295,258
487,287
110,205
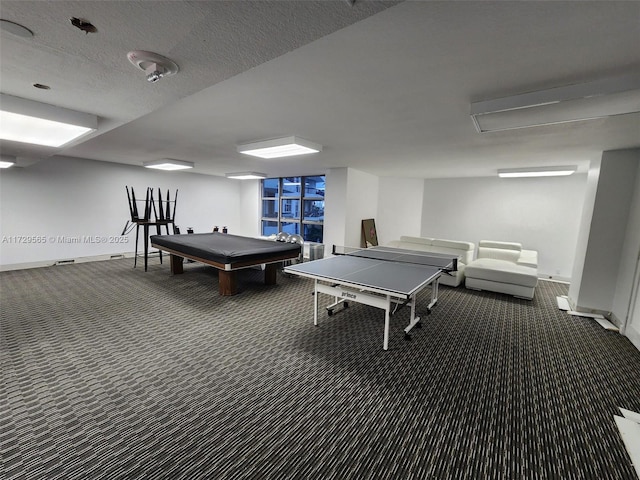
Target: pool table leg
x,y
227,282
270,271
176,264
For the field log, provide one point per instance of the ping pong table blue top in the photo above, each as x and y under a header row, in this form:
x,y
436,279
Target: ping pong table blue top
x,y
392,270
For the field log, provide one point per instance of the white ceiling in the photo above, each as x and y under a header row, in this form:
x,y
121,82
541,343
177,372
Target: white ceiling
x,y
385,87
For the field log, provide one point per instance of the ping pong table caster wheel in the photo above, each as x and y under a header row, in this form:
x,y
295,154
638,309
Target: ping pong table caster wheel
x,y
428,311
407,337
330,312
345,304
418,325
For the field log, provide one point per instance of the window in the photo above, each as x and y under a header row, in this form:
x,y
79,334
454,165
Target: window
x,y
294,205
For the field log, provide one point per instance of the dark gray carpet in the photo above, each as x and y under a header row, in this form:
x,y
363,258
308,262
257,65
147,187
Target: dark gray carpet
x,y
113,373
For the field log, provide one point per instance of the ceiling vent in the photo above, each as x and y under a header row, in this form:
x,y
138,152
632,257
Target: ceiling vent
x,y
154,65
570,103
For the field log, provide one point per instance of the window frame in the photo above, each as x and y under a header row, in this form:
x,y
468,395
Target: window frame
x,y
285,203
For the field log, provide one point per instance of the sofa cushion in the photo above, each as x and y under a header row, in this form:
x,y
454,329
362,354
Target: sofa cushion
x,y
502,271
499,250
421,247
448,251
418,240
511,256
502,245
464,249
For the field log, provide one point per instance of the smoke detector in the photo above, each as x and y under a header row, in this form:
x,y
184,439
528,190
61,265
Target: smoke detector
x,y
155,66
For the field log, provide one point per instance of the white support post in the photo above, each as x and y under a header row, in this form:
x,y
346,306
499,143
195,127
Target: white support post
x,y
385,343
315,302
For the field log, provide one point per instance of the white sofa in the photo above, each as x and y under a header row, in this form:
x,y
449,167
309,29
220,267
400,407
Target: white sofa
x,y
463,250
503,267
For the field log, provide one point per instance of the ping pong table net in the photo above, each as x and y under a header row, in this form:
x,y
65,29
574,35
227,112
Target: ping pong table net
x,y
446,263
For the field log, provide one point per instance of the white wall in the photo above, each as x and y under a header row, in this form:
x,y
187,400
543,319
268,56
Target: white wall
x,y
350,197
399,208
250,196
605,232
335,208
631,328
541,213
626,303
583,235
362,203
65,197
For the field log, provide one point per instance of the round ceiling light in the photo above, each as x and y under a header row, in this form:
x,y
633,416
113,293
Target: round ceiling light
x,y
154,65
15,28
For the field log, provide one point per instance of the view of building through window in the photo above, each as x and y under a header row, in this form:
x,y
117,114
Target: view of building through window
x,y
294,205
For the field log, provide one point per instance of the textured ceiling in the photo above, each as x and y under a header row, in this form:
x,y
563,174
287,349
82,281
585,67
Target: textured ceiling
x,y
385,87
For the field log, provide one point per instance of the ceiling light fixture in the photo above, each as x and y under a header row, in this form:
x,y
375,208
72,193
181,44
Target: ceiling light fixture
x,y
7,161
154,65
279,147
37,123
168,164
15,29
246,175
537,172
571,103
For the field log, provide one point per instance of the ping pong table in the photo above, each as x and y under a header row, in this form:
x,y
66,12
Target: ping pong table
x,y
382,277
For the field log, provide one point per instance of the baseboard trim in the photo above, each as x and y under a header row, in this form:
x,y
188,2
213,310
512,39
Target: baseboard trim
x,y
555,280
65,261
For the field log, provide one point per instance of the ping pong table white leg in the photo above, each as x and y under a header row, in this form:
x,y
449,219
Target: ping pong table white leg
x,y
434,293
415,320
387,314
315,302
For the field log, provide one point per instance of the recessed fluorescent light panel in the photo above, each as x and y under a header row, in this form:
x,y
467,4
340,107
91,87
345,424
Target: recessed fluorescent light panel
x,y
280,147
37,123
7,161
246,175
537,172
168,164
571,103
